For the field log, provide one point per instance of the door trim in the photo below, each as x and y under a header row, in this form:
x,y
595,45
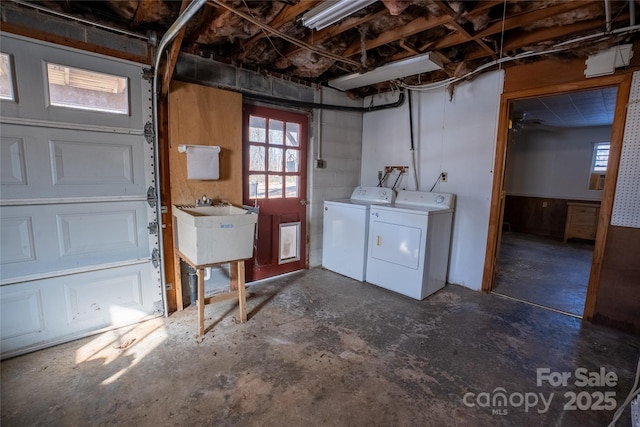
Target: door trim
x,y
623,84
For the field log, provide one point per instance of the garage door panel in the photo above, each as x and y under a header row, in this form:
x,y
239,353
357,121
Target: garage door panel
x,y
31,81
84,235
40,162
58,309
82,163
100,300
21,312
17,243
13,169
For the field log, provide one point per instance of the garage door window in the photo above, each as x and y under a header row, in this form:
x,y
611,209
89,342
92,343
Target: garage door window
x,y
87,90
6,78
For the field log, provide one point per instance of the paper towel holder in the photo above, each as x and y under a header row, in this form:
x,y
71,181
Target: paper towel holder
x,y
182,148
202,161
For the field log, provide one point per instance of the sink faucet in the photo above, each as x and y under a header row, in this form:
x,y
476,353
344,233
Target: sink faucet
x,y
204,201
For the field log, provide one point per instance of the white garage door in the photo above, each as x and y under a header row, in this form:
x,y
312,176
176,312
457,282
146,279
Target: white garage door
x,y
77,231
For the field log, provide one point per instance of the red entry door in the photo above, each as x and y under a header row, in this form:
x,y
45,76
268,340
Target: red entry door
x,y
275,180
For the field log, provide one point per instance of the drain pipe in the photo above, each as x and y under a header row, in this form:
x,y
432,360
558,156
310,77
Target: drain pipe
x,y
607,12
193,285
632,13
168,36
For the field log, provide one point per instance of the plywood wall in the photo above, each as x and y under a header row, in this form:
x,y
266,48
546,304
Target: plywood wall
x,y
200,115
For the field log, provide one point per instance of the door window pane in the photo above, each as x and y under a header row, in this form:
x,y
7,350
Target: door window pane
x,y
275,186
275,159
257,129
276,132
291,183
256,186
292,160
256,158
6,78
293,134
87,90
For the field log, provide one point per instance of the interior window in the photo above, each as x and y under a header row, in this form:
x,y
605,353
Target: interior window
x,y
599,165
6,78
87,90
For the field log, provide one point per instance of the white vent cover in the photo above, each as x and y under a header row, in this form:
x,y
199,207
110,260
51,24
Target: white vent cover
x,y
626,205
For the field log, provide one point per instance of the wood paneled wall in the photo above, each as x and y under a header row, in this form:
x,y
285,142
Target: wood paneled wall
x,y
530,215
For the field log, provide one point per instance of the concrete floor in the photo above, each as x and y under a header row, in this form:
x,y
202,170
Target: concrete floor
x,y
322,349
544,271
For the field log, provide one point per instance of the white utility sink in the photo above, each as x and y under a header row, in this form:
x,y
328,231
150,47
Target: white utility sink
x,y
214,234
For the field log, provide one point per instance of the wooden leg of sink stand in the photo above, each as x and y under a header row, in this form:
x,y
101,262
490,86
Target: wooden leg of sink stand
x,y
200,273
242,294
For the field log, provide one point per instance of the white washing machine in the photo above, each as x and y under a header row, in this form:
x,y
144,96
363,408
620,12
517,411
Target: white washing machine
x,y
409,243
346,230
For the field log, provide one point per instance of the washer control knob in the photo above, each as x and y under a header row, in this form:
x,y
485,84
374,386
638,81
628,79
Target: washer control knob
x,y
440,199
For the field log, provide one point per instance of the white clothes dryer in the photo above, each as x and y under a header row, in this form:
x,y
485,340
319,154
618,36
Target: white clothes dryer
x,y
409,243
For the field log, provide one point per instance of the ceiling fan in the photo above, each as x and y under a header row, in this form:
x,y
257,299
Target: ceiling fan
x,y
518,121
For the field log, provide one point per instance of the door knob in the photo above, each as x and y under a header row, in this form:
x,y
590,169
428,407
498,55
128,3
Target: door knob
x,y
304,202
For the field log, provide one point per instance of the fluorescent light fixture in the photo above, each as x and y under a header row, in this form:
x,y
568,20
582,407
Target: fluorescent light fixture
x,y
331,11
393,70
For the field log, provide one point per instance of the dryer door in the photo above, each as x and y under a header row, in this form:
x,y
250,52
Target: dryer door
x,y
395,243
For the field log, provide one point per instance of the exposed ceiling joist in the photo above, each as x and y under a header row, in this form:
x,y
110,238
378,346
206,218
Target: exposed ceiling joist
x,y
285,15
414,27
524,39
317,37
450,12
529,18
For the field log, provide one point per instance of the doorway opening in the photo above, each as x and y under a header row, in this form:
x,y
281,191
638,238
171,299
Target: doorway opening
x,y
556,160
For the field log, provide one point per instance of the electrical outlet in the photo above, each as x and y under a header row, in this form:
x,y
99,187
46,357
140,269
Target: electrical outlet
x,y
321,163
444,176
545,204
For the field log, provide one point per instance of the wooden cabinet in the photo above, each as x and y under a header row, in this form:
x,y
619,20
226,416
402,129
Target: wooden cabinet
x,y
582,220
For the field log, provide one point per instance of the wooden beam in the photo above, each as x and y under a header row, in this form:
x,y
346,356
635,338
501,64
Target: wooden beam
x,y
414,27
143,11
170,64
408,48
287,14
446,41
317,37
526,38
446,9
528,18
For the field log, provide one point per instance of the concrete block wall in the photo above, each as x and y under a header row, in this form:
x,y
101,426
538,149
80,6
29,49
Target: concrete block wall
x,y
196,69
337,140
33,19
